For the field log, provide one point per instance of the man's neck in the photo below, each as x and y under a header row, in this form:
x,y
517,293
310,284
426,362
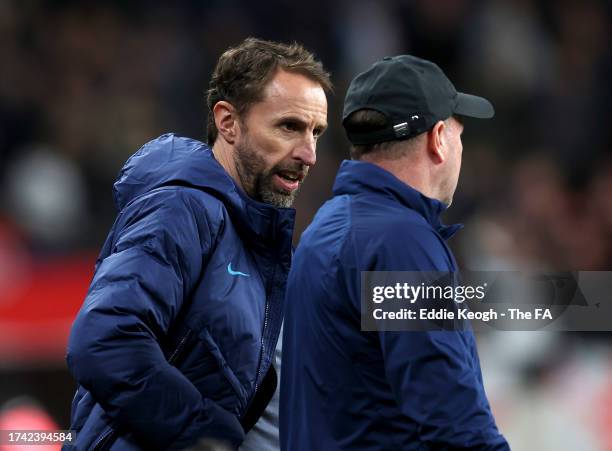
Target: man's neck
x,y
224,155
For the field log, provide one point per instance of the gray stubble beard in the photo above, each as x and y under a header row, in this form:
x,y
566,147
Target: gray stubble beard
x,y
259,185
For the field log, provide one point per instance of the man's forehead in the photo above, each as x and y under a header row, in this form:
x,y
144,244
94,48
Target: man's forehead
x,y
294,87
291,94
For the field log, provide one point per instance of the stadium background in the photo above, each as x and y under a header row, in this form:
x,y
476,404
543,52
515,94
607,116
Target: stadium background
x,y
83,85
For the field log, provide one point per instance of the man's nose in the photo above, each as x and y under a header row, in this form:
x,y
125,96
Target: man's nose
x,y
306,152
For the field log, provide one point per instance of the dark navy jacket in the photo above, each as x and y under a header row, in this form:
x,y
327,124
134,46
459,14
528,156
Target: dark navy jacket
x,y
344,389
184,311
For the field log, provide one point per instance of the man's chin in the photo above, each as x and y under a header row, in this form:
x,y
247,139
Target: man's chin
x,y
278,199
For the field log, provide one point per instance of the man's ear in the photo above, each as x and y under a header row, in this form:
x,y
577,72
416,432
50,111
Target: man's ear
x,y
436,142
226,120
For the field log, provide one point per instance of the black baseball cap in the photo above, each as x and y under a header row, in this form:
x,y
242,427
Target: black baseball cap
x,y
413,94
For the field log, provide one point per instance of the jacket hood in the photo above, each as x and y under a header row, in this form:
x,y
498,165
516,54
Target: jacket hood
x,y
355,177
177,161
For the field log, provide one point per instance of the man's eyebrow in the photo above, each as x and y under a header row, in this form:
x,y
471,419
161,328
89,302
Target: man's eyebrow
x,y
292,118
300,120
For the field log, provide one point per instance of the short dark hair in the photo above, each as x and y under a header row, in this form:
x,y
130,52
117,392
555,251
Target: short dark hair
x,y
368,120
242,73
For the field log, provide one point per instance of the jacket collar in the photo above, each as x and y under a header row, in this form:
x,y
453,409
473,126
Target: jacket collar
x,y
355,177
173,160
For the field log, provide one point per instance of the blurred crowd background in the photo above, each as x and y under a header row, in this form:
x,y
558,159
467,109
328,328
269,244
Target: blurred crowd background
x,y
84,84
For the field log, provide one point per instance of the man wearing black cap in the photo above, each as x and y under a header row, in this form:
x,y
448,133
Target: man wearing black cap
x,y
344,388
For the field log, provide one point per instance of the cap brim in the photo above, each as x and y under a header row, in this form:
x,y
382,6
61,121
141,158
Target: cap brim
x,y
473,106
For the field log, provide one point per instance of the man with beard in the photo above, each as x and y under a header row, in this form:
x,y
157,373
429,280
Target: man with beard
x,y
176,338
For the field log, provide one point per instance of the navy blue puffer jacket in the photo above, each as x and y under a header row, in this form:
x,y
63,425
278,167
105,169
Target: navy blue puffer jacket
x,y
180,322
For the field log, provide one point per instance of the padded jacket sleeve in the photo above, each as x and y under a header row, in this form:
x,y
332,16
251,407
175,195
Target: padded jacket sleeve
x,y
160,244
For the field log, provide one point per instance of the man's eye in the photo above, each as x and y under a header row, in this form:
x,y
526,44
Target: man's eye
x,y
317,132
290,126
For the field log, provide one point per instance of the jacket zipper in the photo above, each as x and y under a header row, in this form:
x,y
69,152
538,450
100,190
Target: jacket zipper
x,y
262,351
104,438
263,332
179,348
